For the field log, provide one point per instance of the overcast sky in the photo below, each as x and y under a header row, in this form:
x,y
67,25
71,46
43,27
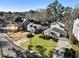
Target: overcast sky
x,y
24,5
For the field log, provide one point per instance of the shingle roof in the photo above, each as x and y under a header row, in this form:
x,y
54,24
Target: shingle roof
x,y
59,31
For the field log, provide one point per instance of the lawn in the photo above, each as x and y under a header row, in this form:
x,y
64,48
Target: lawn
x,y
76,48
48,44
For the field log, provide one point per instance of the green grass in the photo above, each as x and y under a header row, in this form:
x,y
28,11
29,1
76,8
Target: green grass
x,y
48,44
76,48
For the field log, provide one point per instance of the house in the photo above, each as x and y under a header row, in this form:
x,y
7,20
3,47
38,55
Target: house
x,y
76,28
28,25
62,33
31,27
56,30
23,25
57,25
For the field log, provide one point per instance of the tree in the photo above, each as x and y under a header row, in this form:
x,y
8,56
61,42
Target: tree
x,y
18,20
1,13
30,14
55,10
69,53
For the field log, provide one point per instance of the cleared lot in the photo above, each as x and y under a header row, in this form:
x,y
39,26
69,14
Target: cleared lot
x,y
16,36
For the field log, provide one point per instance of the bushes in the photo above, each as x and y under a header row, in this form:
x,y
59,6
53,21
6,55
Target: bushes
x,y
69,53
30,35
30,47
38,31
44,24
51,53
41,50
45,37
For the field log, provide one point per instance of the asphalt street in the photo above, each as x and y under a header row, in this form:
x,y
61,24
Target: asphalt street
x,y
7,46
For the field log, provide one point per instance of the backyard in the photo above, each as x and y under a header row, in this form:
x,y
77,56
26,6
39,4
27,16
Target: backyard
x,y
48,44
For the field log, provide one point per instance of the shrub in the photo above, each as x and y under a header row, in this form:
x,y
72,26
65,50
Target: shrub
x,y
30,47
51,53
30,35
41,50
69,53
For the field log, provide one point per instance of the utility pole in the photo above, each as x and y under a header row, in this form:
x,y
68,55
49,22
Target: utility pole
x,y
1,49
30,38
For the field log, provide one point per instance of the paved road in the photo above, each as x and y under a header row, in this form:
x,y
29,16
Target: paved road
x,y
7,46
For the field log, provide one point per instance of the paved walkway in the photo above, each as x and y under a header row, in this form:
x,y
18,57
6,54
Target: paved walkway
x,y
19,42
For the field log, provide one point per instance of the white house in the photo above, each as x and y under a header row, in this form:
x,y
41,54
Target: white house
x,y
31,27
76,29
55,32
56,29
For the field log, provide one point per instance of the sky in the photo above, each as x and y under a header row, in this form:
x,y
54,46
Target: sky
x,y
25,5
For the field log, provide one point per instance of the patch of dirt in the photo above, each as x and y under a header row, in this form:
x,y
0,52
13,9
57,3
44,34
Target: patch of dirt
x,y
16,36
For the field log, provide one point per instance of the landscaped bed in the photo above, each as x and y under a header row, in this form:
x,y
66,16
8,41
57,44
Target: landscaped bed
x,y
48,44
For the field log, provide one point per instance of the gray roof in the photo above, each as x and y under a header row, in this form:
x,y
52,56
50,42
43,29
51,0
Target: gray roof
x,y
54,23
25,23
63,32
58,22
59,31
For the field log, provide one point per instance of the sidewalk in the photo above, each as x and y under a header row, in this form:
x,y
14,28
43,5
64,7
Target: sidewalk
x,y
19,42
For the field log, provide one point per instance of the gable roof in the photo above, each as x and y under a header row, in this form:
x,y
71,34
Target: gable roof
x,y
59,31
58,23
25,23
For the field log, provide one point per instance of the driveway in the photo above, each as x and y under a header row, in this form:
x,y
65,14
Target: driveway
x,y
62,43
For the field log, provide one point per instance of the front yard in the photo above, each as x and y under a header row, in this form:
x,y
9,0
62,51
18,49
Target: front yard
x,y
48,44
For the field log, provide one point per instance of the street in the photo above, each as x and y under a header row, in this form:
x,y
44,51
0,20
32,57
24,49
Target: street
x,y
7,46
